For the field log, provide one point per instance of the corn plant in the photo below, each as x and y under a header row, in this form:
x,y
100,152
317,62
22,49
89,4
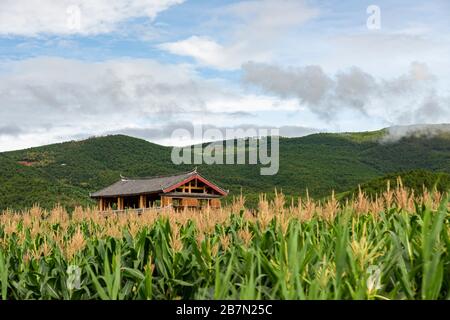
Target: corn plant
x,y
396,246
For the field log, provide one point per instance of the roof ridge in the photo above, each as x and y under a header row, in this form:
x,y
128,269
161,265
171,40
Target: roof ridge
x,y
159,176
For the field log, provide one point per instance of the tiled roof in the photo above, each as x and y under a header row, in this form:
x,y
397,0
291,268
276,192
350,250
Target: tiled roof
x,y
137,186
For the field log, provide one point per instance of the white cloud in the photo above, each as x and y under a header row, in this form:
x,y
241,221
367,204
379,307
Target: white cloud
x,y
51,99
205,51
34,17
256,28
409,98
419,131
49,90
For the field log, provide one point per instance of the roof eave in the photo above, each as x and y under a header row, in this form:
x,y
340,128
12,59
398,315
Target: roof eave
x,y
124,194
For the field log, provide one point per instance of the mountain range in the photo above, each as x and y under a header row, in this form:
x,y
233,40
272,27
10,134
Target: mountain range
x,y
66,173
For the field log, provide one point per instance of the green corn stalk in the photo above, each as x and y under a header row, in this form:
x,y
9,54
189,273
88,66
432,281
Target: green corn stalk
x,y
4,272
433,266
112,278
340,258
222,280
313,259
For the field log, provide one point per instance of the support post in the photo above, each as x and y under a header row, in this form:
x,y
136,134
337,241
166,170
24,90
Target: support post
x,y
165,201
142,201
119,203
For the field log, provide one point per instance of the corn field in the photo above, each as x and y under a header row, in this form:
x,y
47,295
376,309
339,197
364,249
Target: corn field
x,y
395,246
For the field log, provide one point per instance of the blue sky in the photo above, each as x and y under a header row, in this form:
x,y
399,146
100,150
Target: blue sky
x,y
73,69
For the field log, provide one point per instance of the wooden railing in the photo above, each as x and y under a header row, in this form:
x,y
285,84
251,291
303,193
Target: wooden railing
x,y
138,210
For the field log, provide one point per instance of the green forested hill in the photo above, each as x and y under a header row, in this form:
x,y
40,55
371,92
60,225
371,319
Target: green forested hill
x,y
67,172
414,179
21,187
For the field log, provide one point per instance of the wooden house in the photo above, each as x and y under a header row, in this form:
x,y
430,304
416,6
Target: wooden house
x,y
185,190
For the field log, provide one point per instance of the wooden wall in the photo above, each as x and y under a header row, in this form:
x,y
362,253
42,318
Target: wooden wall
x,y
166,201
215,203
103,204
189,202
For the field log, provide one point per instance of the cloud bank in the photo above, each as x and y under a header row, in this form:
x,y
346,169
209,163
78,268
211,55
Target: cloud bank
x,y
408,98
51,99
397,133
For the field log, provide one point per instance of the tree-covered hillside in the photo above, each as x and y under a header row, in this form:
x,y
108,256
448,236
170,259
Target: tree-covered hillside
x,y
415,179
22,186
68,172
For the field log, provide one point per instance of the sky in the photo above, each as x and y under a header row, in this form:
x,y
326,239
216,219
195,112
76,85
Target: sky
x,y
73,69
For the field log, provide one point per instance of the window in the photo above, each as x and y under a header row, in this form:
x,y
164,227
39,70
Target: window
x,y
176,202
